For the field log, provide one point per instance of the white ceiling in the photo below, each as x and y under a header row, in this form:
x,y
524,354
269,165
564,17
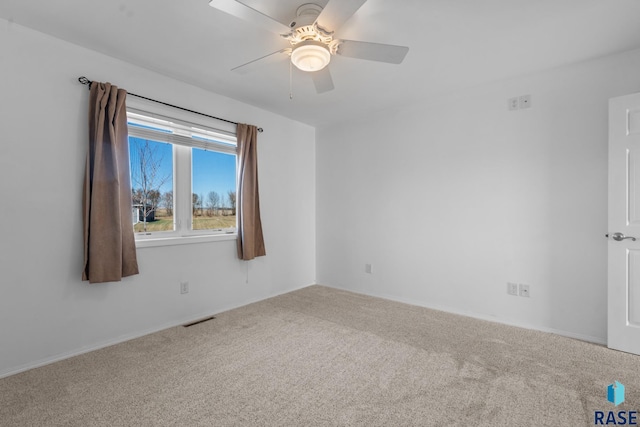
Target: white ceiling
x,y
453,44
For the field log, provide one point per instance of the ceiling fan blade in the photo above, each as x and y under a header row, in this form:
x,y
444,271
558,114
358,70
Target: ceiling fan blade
x,y
246,13
336,13
322,80
256,63
372,51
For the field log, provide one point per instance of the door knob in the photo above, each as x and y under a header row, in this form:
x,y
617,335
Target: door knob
x,y
620,237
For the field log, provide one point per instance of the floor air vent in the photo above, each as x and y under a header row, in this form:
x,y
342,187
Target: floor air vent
x,y
206,319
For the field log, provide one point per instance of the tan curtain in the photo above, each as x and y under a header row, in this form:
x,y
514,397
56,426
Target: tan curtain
x,y
109,243
250,240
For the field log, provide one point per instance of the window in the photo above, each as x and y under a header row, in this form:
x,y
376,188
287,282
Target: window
x,y
183,177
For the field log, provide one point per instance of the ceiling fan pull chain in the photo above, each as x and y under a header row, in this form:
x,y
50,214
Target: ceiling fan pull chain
x,y
290,80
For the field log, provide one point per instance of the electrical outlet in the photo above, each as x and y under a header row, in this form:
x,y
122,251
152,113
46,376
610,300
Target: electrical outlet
x,y
367,269
513,103
524,290
184,287
512,288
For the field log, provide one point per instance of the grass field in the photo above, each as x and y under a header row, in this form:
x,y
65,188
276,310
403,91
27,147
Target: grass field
x,y
165,223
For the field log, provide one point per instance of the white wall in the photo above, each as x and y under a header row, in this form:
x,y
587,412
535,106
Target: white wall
x,y
46,311
451,199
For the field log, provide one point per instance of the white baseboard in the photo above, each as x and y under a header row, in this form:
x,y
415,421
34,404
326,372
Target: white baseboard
x,y
186,320
127,337
510,322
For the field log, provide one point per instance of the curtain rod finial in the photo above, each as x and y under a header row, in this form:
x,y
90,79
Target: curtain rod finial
x,y
84,81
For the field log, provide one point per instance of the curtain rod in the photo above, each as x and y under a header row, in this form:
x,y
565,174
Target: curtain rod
x,y
87,82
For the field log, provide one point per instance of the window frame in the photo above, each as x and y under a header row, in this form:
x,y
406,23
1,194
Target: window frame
x,y
220,137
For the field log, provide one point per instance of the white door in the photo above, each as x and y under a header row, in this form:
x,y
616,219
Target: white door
x,y
624,224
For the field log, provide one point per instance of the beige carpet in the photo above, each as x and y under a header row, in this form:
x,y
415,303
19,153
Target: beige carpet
x,y
323,357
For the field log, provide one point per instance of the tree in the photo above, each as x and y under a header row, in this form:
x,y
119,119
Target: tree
x,y
232,201
213,202
196,203
167,201
154,199
146,176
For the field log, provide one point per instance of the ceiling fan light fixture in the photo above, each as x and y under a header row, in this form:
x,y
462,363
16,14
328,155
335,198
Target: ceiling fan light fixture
x,y
310,56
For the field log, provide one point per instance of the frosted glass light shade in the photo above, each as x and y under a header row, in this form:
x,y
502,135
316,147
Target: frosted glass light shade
x,y
310,57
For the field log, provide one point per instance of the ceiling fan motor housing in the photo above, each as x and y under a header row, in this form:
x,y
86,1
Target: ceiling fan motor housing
x,y
306,15
304,27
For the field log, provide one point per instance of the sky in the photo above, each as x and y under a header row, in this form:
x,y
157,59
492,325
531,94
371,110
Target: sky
x,y
211,171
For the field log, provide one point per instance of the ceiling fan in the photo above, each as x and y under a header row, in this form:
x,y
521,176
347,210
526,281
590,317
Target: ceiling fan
x,y
311,40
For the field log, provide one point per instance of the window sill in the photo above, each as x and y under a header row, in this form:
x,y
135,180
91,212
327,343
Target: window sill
x,y
184,240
